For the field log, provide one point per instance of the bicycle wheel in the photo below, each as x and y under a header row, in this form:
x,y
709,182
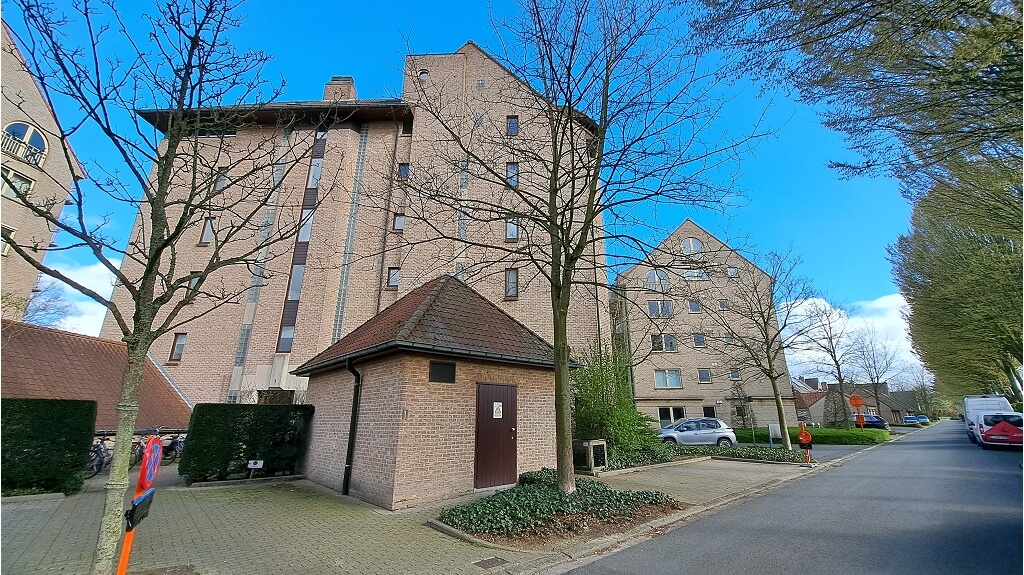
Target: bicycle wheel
x,y
136,455
169,455
95,465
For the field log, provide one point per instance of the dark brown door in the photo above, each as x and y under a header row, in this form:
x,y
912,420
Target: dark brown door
x,y
495,435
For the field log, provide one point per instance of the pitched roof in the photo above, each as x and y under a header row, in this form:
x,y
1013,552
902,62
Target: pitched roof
x,y
43,363
443,316
811,397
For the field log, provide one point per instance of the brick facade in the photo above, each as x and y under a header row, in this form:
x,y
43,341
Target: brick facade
x,y
415,441
713,274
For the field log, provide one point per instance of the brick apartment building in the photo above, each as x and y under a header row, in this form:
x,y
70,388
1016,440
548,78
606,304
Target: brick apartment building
x,y
343,173
34,162
685,365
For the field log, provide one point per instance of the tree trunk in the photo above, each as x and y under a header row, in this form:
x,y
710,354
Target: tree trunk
x,y
111,522
563,397
786,443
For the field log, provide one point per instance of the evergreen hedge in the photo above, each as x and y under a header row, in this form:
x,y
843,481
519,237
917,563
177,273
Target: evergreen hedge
x,y
223,437
821,435
45,444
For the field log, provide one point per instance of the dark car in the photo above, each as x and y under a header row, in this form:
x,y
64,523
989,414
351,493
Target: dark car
x,y
872,422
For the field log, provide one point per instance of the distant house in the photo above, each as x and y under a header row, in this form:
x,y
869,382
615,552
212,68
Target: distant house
x,y
43,363
437,395
821,405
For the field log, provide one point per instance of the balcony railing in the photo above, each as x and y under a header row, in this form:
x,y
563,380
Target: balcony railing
x,y
22,149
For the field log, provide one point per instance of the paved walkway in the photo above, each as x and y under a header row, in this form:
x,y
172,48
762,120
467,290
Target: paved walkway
x,y
298,527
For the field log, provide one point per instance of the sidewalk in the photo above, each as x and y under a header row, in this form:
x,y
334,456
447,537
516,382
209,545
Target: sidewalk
x,y
298,527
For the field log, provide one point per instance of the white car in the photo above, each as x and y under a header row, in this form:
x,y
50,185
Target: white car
x,y
699,431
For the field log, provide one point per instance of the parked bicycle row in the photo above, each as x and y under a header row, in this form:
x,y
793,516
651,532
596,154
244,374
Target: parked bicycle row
x,y
102,451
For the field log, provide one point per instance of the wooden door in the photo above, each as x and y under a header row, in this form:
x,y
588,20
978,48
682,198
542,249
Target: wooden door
x,y
495,461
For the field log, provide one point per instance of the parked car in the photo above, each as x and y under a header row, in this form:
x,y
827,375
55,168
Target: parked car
x,y
699,431
977,403
872,421
910,419
923,419
1000,428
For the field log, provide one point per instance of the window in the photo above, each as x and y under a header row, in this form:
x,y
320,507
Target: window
x,y
667,378
740,410
4,246
478,121
480,85
24,141
284,341
663,342
709,411
208,231
723,304
691,246
460,271
694,306
703,376
221,180
666,415
295,283
512,174
511,283
464,173
729,338
306,226
512,230
192,283
659,308
407,126
286,135
734,374
403,171
512,125
698,274
699,340
394,274
441,372
315,169
17,183
178,347
398,222
657,280
732,272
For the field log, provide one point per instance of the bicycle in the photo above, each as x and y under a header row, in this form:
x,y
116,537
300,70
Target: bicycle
x,y
172,449
99,457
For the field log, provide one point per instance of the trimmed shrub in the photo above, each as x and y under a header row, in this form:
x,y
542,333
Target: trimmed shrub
x,y
223,437
757,453
45,445
537,506
822,435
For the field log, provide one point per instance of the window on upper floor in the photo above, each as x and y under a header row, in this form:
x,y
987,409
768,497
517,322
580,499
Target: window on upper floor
x,y
512,174
25,141
699,340
703,376
295,283
657,280
398,222
511,283
285,339
693,306
403,171
723,304
7,233
511,229
394,275
697,274
659,308
209,231
177,347
512,125
15,183
305,226
667,379
732,272
734,374
691,247
663,342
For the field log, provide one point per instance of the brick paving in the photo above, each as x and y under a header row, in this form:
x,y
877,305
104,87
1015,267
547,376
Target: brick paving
x,y
299,527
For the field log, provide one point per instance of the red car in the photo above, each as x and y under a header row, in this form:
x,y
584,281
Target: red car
x,y
1000,428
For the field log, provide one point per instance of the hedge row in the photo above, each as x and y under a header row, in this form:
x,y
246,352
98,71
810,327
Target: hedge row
x,y
45,444
821,435
756,453
223,437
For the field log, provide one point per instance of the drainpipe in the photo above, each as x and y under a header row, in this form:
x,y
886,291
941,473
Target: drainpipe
x,y
353,424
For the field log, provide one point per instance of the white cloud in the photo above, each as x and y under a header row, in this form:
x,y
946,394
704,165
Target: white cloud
x,y
87,317
884,315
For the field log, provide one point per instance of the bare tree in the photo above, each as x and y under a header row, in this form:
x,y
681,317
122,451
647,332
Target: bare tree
x,y
46,305
178,164
762,317
830,340
595,115
877,359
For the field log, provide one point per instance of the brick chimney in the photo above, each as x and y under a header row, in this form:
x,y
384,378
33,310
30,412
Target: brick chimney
x,y
340,88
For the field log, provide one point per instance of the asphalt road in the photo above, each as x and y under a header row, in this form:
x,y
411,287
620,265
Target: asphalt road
x,y
929,503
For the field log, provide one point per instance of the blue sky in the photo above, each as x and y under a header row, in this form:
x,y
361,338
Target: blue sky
x,y
840,227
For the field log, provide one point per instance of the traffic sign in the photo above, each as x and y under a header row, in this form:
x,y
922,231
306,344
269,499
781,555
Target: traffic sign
x,y
150,464
856,401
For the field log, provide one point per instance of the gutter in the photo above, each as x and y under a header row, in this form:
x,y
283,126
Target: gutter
x,y
353,425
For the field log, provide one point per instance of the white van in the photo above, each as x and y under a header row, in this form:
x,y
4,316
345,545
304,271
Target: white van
x,y
991,433
975,403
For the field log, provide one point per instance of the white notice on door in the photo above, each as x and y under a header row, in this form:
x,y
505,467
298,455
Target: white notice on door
x,y
497,410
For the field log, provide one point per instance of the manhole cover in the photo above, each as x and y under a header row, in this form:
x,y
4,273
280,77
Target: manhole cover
x,y
488,563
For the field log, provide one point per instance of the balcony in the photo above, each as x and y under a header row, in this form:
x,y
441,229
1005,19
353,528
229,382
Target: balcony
x,y
21,149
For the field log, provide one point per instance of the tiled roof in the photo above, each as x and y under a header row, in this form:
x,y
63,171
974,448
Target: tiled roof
x,y
442,316
811,397
43,363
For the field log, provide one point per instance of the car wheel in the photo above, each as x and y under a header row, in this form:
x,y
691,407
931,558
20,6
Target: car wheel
x,y
724,442
971,437
983,445
669,440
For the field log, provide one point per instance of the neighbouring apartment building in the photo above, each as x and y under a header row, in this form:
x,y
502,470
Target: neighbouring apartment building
x,y
343,173
35,165
672,314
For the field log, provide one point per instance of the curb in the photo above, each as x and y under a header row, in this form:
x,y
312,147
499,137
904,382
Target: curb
x,y
34,497
453,532
236,482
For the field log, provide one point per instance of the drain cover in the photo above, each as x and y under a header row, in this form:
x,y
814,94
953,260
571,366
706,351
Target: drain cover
x,y
488,563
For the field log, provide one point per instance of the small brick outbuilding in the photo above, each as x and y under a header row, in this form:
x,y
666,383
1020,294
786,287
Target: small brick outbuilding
x,y
439,394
